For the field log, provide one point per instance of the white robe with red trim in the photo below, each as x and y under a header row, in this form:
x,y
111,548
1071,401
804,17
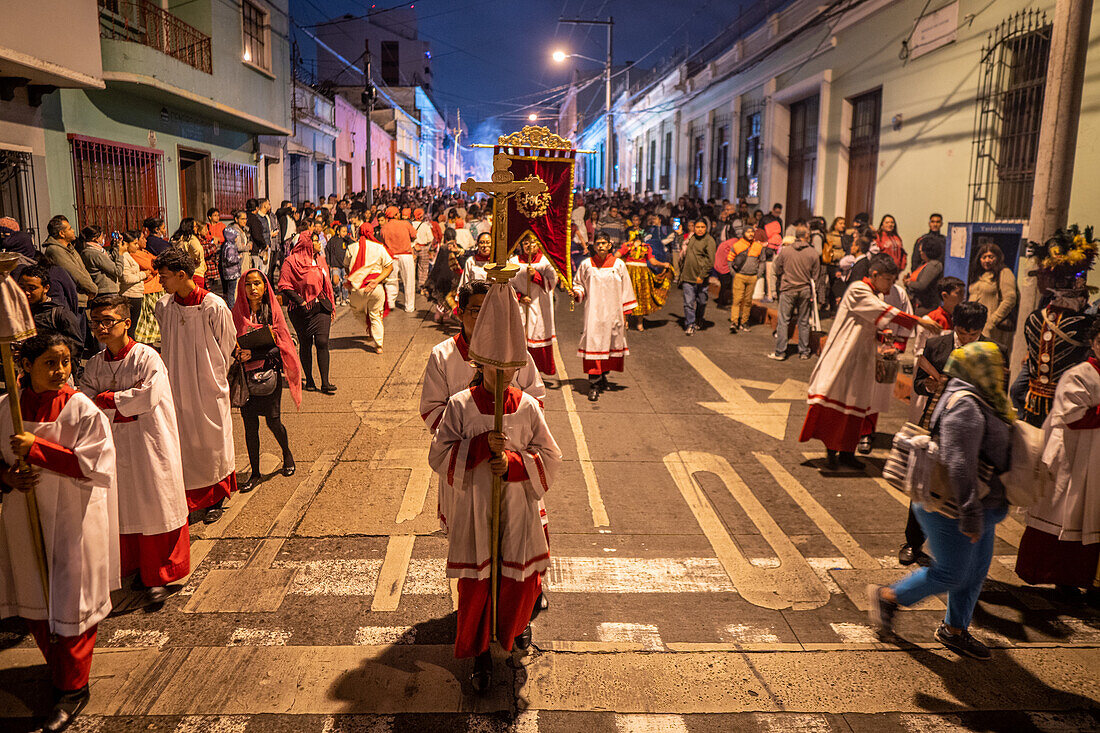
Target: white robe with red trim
x,y
79,525
884,393
449,371
844,378
151,499
538,316
473,269
197,344
607,294
524,547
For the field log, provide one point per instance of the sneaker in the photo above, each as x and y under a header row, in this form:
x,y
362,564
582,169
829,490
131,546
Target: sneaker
x,y
689,330
746,329
881,611
865,445
734,328
962,643
777,357
804,357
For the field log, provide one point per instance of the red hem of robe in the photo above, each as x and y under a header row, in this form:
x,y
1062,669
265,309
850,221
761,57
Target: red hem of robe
x,y
69,658
516,601
208,496
543,356
160,558
603,366
1045,559
839,431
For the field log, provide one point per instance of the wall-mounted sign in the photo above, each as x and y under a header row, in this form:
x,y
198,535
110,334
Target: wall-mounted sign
x,y
934,30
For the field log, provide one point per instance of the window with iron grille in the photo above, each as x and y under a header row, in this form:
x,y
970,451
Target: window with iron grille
x,y
117,186
651,165
698,151
1008,117
637,172
720,155
666,164
863,153
17,195
234,185
254,25
748,179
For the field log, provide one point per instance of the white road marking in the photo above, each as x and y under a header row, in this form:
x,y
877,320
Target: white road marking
x,y
791,389
638,575
932,723
199,574
86,724
1081,629
595,499
243,636
526,722
822,566
213,724
391,577
650,723
855,633
738,405
747,634
137,638
644,634
384,635
765,562
793,722
358,724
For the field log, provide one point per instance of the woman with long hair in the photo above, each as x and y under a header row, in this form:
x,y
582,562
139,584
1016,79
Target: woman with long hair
x,y
889,241
132,280
104,266
993,285
187,239
147,328
442,283
306,284
256,307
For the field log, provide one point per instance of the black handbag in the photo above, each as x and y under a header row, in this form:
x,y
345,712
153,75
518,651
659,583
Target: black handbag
x,y
262,382
238,385
739,260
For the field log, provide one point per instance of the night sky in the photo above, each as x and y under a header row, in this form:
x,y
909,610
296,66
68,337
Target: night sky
x,y
492,57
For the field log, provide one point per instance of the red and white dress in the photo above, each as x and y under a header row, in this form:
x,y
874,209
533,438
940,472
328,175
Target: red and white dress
x,y
460,455
843,396
197,343
608,295
132,388
77,506
538,315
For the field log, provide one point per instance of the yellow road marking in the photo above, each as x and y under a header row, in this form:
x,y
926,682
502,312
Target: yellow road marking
x,y
595,500
391,578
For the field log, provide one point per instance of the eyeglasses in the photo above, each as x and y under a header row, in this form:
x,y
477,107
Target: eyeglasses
x,y
106,322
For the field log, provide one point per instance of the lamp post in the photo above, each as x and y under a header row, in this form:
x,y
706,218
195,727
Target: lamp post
x,y
560,56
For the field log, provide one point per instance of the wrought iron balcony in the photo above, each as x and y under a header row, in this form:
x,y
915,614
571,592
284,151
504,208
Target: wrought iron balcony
x,y
141,21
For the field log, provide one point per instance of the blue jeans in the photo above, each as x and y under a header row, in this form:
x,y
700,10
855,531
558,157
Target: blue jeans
x,y
796,304
336,274
695,302
229,287
958,568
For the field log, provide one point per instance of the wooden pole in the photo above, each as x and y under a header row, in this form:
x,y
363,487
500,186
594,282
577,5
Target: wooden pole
x,y
38,544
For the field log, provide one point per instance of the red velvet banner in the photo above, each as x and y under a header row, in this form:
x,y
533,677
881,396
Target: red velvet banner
x,y
549,216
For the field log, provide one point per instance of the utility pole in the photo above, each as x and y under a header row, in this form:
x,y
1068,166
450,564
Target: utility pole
x,y
368,102
608,147
458,134
1057,145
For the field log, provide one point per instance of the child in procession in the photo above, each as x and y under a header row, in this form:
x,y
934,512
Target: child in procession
x,y
468,452
129,382
66,440
535,285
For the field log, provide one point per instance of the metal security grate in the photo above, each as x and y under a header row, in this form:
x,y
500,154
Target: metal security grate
x,y
117,186
17,194
234,184
1008,117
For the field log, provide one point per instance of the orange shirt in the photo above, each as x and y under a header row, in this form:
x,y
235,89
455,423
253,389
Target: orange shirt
x,y
144,258
398,236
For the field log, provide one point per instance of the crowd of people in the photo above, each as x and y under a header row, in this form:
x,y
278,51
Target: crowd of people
x,y
146,342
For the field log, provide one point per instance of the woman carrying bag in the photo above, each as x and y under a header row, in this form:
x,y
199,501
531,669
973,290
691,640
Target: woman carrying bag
x,y
306,284
263,367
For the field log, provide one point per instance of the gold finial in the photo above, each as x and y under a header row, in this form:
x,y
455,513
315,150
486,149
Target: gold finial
x,y
534,136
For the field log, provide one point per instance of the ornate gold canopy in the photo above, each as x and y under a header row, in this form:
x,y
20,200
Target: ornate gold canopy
x,y
534,136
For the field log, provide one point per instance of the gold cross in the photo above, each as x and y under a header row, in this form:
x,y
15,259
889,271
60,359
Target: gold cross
x,y
502,187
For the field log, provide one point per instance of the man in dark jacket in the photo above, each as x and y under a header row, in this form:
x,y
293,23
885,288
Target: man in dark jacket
x,y
797,266
59,250
935,224
155,232
49,315
695,265
258,234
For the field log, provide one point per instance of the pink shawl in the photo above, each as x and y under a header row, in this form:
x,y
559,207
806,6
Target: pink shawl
x,y
242,320
305,272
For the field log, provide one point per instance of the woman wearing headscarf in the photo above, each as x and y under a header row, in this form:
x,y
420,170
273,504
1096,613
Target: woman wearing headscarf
x,y
305,283
256,307
973,423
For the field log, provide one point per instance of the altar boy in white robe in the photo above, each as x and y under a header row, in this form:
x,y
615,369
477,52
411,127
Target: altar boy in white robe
x,y
67,442
197,342
467,453
604,285
129,382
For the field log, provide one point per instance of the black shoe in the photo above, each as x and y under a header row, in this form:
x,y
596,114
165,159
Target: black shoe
x,y
252,482
67,708
289,466
523,641
962,643
310,387
849,460
865,445
907,555
156,596
831,463
482,678
1070,595
882,611
213,514
593,393
328,388
734,328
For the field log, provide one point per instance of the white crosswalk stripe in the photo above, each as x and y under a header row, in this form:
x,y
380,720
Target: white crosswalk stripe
x,y
213,724
649,723
644,634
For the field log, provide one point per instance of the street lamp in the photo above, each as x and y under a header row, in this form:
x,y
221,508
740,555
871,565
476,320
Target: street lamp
x,y
560,56
532,117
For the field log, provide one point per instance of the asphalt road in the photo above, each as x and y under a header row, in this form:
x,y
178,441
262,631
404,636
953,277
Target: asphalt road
x,y
706,577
